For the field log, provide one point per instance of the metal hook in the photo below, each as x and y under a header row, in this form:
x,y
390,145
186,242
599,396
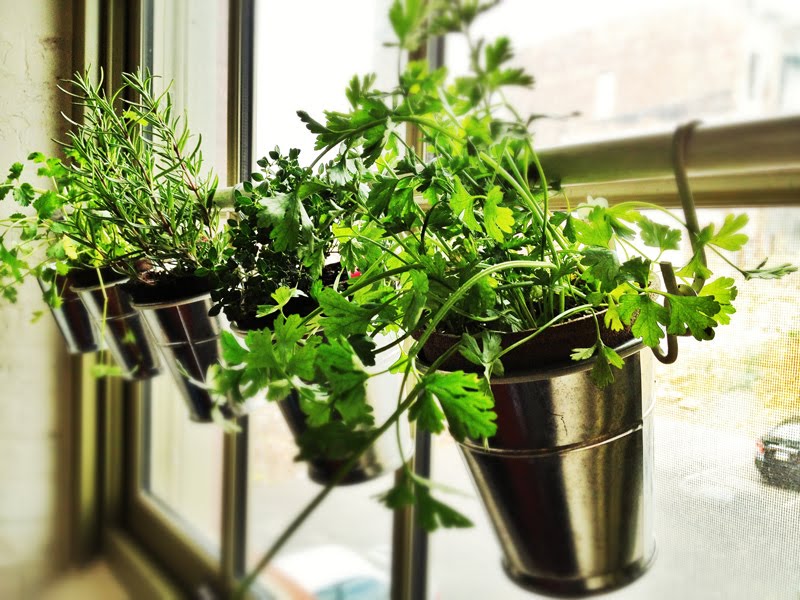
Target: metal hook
x,y
680,143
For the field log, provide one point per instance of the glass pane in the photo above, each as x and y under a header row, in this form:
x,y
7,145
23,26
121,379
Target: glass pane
x,y
184,464
607,69
312,76
186,47
727,480
344,550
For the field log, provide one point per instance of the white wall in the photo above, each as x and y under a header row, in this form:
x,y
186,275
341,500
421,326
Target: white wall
x,y
35,52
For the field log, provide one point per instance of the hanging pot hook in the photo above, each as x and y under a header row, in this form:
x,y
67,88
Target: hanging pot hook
x,y
680,143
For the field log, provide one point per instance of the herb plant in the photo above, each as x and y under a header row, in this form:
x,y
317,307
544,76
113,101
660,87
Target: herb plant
x,y
38,239
457,235
144,169
280,236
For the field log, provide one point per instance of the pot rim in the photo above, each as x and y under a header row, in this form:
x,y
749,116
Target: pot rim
x,y
120,278
552,371
170,303
571,321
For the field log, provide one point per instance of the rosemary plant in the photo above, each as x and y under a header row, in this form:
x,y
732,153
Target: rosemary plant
x,y
142,166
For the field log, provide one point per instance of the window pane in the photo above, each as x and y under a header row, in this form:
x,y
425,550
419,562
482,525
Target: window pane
x,y
723,528
186,47
343,550
184,464
630,67
304,62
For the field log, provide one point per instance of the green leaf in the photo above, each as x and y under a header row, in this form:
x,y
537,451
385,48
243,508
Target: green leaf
x,y
487,355
497,219
463,205
612,318
762,272
497,53
427,414
607,357
414,299
401,494
331,440
728,236
304,358
345,377
465,403
659,236
288,332
288,218
47,204
723,289
432,514
364,347
693,312
637,269
595,230
262,353
318,412
24,194
380,195
582,353
407,18
602,267
340,316
15,171
232,351
650,317
695,268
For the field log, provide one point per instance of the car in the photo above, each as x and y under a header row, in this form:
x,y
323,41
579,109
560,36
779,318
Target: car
x,y
778,454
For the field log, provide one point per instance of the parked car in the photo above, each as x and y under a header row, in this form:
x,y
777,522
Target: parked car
x,y
778,453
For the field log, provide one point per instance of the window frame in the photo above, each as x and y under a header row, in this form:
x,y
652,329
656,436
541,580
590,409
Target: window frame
x,y
733,165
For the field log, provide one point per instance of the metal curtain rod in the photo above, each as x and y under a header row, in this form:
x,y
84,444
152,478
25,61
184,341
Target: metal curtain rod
x,y
752,146
748,161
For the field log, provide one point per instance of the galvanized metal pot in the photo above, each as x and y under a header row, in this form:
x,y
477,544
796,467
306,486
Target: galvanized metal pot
x,y
76,326
388,453
567,479
188,339
109,307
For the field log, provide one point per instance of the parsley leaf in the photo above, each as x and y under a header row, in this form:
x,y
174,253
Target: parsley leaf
x,y
693,312
465,403
649,317
497,219
462,205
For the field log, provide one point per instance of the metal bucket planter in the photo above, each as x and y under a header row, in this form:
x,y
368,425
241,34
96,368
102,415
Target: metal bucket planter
x,y
567,479
387,454
76,326
384,456
109,307
188,339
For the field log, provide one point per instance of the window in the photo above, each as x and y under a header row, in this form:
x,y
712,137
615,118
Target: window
x,y
221,498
